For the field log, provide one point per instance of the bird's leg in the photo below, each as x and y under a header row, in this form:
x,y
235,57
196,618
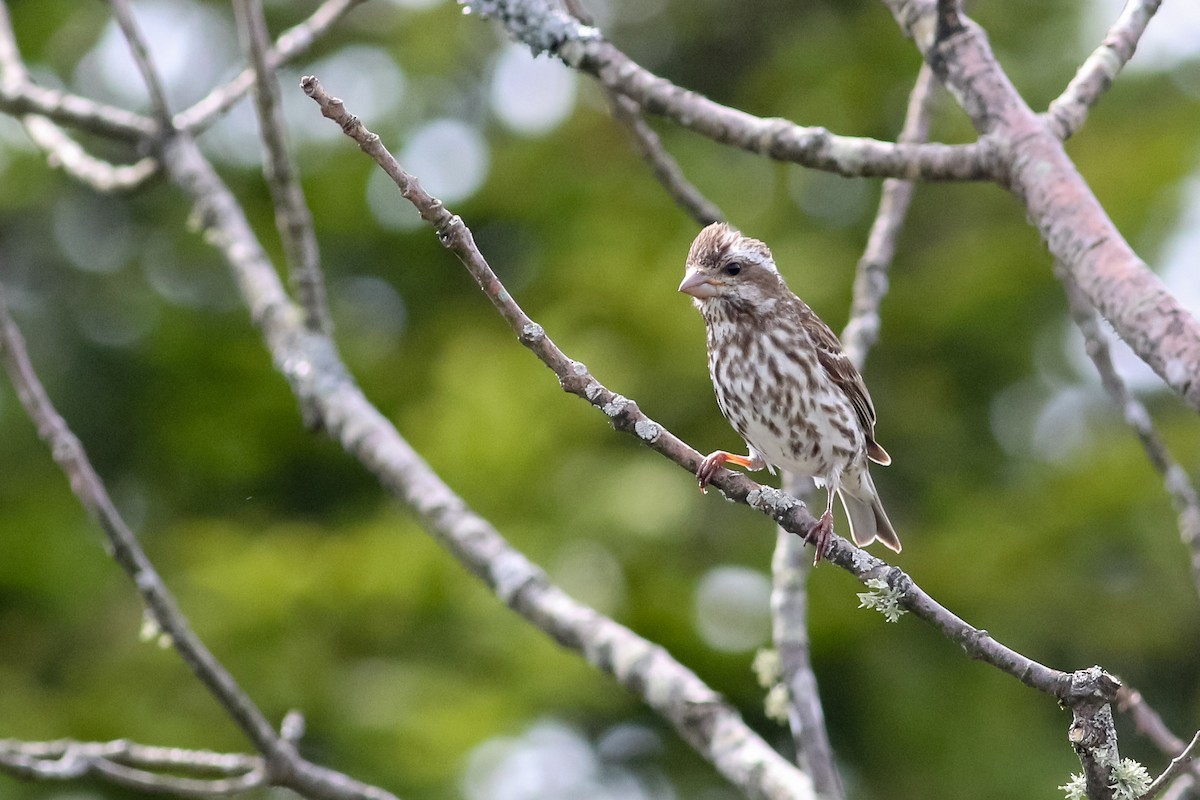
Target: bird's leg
x,y
719,458
823,530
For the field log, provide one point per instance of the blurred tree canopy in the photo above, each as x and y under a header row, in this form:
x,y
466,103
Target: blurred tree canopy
x,y
1025,503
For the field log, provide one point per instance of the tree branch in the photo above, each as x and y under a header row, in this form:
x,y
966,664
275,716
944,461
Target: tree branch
x,y
135,766
1069,110
545,28
61,150
284,767
292,216
140,51
1178,485
1057,200
871,275
291,43
624,414
310,363
665,168
790,568
1175,769
69,454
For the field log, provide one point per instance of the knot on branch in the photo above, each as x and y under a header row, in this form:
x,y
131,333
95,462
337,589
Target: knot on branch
x,y
1091,686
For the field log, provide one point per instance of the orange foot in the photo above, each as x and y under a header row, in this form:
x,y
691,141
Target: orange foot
x,y
820,536
715,461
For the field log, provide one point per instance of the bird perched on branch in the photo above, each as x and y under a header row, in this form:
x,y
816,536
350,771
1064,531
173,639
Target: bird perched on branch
x,y
784,383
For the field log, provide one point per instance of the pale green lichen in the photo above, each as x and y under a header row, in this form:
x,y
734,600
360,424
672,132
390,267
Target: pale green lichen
x,y
1129,780
775,704
884,599
767,666
1075,788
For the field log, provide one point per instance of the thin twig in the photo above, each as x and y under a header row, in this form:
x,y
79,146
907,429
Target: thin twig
x,y
650,147
292,216
67,154
625,415
323,385
1175,769
1069,110
61,150
69,454
871,275
141,57
664,166
135,766
291,43
1178,485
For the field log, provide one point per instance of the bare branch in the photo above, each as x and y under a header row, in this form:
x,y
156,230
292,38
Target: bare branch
x,y
284,765
546,28
20,97
871,276
69,454
135,766
1175,769
322,384
664,166
1175,478
1057,200
1147,721
292,216
291,43
789,566
1069,110
62,151
625,416
141,57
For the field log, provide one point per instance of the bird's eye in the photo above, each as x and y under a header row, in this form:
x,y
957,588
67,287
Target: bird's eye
x,y
733,268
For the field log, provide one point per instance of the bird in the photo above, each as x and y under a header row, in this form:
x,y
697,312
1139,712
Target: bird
x,y
784,383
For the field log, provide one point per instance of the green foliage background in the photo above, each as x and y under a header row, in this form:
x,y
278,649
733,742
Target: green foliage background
x,y
320,594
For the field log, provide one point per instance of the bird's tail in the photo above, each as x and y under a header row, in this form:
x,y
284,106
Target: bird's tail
x,y
868,521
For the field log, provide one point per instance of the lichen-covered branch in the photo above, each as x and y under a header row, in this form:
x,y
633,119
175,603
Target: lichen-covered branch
x,y
1058,202
544,27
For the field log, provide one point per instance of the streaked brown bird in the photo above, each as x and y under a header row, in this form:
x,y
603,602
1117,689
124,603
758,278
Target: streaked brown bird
x,y
784,383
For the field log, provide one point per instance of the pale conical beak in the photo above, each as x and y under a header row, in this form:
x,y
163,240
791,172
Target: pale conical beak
x,y
698,285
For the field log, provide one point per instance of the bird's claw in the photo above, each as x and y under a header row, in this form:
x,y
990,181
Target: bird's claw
x,y
708,469
821,535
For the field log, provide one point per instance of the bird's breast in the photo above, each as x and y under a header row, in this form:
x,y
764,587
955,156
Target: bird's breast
x,y
774,392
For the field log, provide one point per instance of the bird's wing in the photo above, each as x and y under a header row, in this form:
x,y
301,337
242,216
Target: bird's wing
x,y
846,377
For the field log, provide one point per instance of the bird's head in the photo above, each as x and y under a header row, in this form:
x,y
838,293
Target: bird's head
x,y
728,270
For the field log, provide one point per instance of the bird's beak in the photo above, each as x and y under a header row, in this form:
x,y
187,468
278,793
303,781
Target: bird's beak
x,y
698,285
